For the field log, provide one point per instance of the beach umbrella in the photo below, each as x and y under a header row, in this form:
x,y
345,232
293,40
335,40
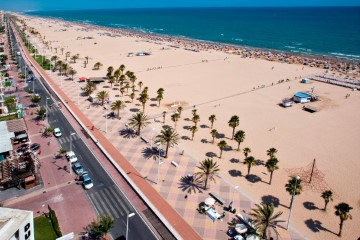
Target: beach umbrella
x,y
209,201
82,78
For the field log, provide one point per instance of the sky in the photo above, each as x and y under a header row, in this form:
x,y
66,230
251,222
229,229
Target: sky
x,y
43,5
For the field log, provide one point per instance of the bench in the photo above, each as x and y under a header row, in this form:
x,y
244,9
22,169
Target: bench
x,y
244,220
217,198
174,163
144,139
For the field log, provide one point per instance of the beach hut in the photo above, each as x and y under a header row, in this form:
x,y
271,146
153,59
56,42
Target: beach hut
x,y
301,97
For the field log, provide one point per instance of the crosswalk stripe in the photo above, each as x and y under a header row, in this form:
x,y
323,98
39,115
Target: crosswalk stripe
x,y
60,140
104,207
96,203
110,204
119,193
118,203
117,198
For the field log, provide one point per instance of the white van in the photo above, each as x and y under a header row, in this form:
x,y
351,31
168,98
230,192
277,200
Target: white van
x,y
71,157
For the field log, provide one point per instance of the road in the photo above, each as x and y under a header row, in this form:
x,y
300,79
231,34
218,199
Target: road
x,y
105,196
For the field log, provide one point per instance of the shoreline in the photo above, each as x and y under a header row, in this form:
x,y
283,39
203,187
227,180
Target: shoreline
x,y
222,45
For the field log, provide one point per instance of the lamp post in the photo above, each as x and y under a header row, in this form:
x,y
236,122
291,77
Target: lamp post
x,y
152,136
127,224
292,200
46,109
71,134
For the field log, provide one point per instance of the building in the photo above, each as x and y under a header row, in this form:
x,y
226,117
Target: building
x,y
301,97
16,224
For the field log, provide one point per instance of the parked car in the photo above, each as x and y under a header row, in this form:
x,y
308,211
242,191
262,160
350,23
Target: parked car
x,y
71,157
78,169
87,181
57,132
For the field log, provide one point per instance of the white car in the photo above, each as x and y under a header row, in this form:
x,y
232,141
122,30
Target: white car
x,y
71,157
87,181
57,132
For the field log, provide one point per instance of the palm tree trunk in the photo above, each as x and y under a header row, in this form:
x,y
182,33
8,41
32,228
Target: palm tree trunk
x,y
238,147
206,179
139,129
233,133
159,103
119,113
167,149
271,174
212,123
248,171
143,107
341,226
221,153
326,203
213,139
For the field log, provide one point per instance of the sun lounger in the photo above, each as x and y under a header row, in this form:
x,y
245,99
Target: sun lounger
x,y
144,139
217,198
174,163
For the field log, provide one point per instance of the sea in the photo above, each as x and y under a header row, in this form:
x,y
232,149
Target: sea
x,y
326,31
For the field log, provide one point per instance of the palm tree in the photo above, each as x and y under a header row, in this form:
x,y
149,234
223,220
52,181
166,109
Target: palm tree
x,y
164,114
122,80
102,95
87,59
271,166
122,68
62,152
72,72
194,111
327,196
65,68
246,151
127,86
212,119
233,123
193,130
271,152
213,133
196,119
89,88
140,84
222,145
110,71
117,75
67,54
249,162
143,99
159,97
101,226
111,80
160,91
209,169
133,78
62,51
239,138
118,105
122,91
175,117
179,110
290,186
264,218
54,59
132,96
74,57
343,211
97,65
139,121
169,137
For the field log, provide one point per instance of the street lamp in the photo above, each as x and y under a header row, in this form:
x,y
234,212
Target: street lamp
x,y
159,162
297,178
152,136
71,134
46,109
236,187
127,224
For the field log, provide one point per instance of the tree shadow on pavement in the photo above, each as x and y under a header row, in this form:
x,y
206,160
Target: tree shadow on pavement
x,y
270,199
210,154
128,133
190,185
235,173
310,206
150,153
253,178
315,226
234,160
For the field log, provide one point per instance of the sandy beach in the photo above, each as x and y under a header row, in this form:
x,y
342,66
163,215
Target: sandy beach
x,y
216,82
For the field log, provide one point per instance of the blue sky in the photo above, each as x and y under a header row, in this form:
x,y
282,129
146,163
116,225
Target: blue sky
x,y
24,5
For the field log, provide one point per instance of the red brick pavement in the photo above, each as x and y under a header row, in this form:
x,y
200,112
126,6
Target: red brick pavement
x,y
175,220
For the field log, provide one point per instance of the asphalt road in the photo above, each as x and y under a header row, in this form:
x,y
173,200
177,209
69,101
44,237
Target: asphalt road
x,y
105,196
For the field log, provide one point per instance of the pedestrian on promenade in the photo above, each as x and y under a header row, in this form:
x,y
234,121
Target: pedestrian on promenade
x,y
49,142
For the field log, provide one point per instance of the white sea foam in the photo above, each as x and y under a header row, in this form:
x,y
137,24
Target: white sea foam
x,y
292,47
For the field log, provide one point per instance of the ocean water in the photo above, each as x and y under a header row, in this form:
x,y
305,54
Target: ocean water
x,y
329,31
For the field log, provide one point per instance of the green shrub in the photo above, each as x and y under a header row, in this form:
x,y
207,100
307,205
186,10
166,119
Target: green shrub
x,y
54,222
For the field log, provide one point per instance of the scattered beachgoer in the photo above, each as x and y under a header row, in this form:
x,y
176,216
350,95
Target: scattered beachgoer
x,y
49,141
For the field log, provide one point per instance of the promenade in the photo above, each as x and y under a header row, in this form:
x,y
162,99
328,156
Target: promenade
x,y
172,195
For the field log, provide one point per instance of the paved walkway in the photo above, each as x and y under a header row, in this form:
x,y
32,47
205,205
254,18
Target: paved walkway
x,y
173,190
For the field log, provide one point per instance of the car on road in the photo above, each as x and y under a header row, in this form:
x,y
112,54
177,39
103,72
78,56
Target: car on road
x,y
71,157
57,132
78,169
87,181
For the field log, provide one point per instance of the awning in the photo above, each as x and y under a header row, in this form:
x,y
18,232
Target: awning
x,y
209,201
21,136
82,78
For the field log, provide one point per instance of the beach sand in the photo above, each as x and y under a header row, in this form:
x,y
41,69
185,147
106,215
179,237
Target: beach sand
x,y
225,84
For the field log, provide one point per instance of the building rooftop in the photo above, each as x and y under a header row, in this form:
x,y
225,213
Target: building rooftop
x,y
11,220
